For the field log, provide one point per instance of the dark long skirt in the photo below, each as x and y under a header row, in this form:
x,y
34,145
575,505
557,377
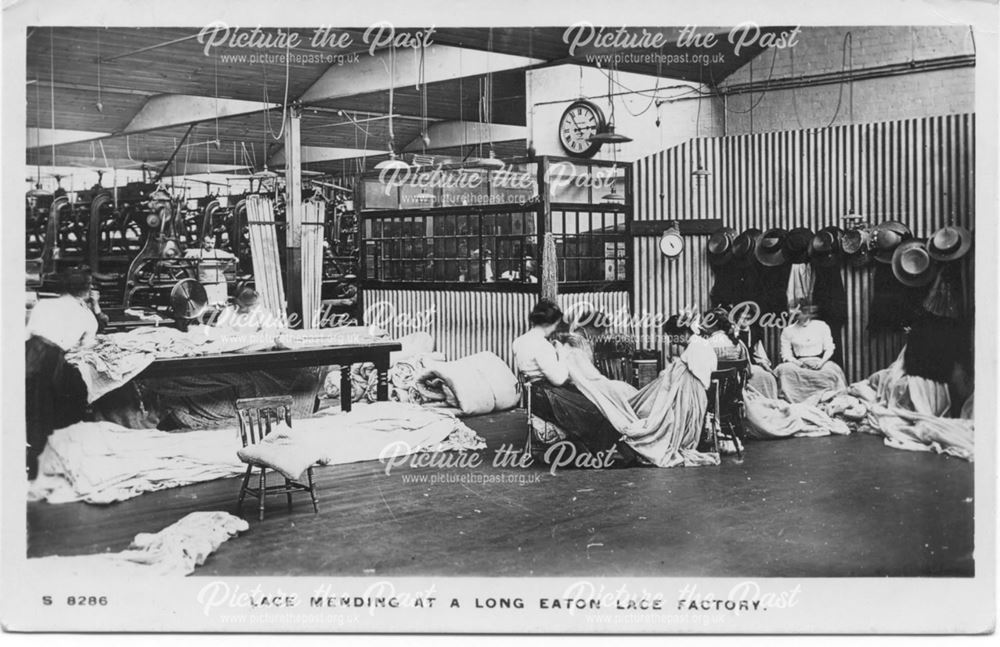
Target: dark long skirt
x,y
55,396
584,424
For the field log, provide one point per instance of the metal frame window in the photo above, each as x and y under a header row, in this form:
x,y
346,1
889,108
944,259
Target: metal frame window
x,y
463,246
591,244
498,246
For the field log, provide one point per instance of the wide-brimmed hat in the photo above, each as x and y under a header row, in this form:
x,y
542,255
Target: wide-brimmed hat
x,y
720,246
912,264
886,237
744,246
949,243
855,245
770,249
797,244
824,248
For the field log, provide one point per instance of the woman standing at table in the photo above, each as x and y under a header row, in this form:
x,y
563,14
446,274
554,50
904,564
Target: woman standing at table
x,y
55,394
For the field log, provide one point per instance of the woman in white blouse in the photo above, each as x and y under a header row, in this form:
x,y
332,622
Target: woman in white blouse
x,y
806,372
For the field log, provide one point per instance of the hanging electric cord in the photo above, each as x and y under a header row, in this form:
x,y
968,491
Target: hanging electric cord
x,y
217,99
354,121
763,92
103,154
284,103
795,103
52,94
422,87
653,98
38,138
100,104
187,154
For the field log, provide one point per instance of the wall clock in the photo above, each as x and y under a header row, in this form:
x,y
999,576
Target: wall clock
x,y
579,122
671,243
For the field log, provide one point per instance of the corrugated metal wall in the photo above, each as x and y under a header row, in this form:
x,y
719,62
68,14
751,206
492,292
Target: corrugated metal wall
x,y
467,322
917,171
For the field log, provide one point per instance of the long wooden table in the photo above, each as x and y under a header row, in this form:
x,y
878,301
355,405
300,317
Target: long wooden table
x,y
342,355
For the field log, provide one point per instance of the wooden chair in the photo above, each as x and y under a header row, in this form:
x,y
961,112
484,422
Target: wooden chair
x,y
525,385
725,401
256,417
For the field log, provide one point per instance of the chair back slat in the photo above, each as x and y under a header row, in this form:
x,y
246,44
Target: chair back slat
x,y
257,414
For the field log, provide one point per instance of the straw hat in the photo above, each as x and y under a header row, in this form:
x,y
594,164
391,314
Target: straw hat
x,y
886,237
949,243
912,264
797,244
720,246
855,244
770,249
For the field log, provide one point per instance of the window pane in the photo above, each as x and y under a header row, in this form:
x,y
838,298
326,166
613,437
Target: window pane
x,y
379,196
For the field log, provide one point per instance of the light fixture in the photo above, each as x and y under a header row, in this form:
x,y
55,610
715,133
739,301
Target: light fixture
x,y
614,197
609,136
492,163
393,162
700,172
264,174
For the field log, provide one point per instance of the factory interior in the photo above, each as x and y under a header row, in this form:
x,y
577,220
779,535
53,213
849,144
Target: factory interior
x,y
507,301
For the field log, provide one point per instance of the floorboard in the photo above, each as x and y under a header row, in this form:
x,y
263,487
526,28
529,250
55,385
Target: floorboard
x,y
810,507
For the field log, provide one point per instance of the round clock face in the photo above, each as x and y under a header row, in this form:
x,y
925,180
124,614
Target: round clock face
x,y
671,245
580,121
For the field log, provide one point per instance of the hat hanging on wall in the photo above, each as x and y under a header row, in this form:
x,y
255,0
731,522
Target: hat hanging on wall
x,y
854,243
720,246
797,244
770,249
949,243
886,237
744,246
824,248
912,264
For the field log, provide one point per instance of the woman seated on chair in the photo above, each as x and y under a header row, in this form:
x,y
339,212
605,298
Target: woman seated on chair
x,y
722,336
806,371
662,422
539,361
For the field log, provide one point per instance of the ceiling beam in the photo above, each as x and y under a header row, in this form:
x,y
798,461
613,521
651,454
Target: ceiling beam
x,y
452,134
41,137
310,154
167,110
441,63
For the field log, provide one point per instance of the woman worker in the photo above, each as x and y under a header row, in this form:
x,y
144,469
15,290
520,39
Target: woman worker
x,y
721,334
806,371
662,422
55,394
540,362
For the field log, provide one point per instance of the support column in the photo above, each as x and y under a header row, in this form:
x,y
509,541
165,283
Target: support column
x,y
293,213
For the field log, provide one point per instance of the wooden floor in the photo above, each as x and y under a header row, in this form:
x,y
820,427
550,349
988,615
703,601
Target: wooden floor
x,y
835,507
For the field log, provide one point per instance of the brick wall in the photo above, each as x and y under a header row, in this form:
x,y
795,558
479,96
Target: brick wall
x,y
821,50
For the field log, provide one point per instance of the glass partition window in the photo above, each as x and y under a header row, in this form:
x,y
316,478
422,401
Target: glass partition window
x,y
469,248
590,245
436,186
577,183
